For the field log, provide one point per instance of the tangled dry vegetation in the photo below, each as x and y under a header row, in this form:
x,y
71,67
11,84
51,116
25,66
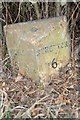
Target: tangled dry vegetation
x,y
21,97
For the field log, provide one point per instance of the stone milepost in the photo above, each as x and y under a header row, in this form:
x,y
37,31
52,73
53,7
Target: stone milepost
x,y
39,47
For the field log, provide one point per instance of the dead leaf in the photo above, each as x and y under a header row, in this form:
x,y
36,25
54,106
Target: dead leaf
x,y
7,88
61,110
61,97
19,78
3,84
35,111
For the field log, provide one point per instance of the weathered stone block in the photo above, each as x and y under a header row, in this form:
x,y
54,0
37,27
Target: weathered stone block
x,y
39,47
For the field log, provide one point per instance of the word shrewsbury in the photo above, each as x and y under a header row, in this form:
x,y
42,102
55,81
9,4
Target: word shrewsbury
x,y
50,48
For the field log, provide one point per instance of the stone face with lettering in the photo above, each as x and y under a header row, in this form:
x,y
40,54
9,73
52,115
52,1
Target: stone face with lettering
x,y
40,48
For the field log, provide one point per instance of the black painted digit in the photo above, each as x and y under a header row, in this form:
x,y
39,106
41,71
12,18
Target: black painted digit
x,y
54,63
